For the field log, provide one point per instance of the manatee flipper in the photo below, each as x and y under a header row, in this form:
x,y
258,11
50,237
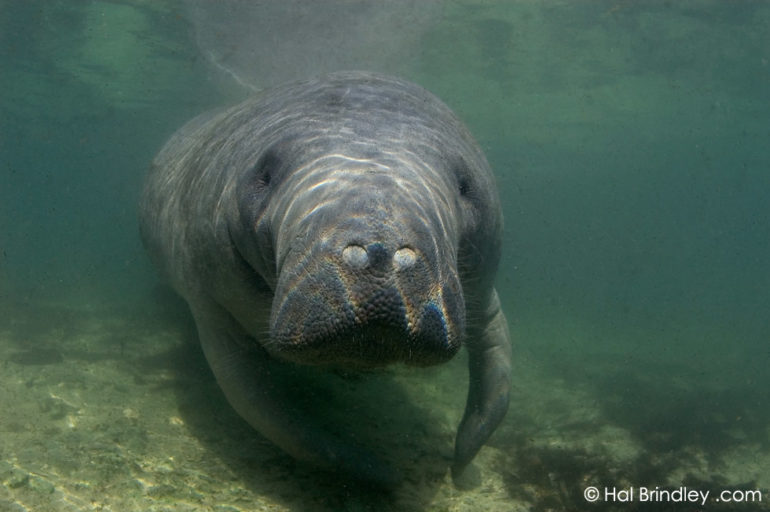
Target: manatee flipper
x,y
489,363
246,377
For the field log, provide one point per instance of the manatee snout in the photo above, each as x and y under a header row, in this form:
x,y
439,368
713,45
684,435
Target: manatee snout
x,y
368,287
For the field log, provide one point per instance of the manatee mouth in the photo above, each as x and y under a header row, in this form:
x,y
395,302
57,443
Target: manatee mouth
x,y
380,331
371,345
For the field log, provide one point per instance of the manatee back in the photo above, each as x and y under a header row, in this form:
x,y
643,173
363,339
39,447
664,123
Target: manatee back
x,y
175,196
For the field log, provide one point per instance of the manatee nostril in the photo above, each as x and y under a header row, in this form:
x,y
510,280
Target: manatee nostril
x,y
375,256
355,256
404,258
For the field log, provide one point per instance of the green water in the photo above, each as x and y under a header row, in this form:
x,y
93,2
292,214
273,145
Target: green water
x,y
630,142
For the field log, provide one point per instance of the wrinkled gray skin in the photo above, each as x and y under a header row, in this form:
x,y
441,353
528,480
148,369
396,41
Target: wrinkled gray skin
x,y
349,220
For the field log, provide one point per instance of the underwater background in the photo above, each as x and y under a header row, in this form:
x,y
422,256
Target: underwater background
x,y
631,143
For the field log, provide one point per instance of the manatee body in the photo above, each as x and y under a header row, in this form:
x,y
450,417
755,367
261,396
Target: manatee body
x,y
350,220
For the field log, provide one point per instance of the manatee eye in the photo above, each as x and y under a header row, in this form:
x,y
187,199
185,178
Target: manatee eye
x,y
462,175
264,180
464,186
264,168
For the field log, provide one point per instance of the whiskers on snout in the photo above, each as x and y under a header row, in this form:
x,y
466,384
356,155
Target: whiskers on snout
x,y
366,308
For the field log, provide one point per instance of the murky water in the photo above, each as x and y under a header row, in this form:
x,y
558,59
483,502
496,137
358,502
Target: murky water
x,y
630,144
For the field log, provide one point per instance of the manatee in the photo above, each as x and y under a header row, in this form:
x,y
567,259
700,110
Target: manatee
x,y
349,221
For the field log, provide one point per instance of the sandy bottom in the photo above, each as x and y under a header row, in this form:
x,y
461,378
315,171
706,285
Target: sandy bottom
x,y
117,412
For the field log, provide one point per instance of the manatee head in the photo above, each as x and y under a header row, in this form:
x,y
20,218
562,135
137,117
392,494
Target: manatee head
x,y
356,212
